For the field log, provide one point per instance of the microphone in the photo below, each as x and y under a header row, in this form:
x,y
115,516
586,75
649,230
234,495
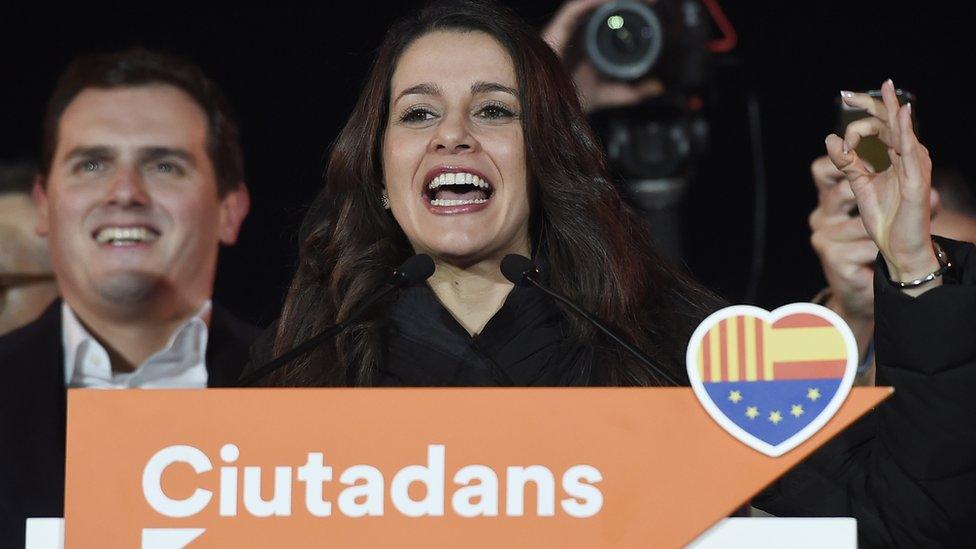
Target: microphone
x,y
520,271
414,270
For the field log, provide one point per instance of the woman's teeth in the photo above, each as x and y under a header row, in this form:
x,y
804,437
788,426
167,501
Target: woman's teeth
x,y
456,202
458,189
457,179
122,236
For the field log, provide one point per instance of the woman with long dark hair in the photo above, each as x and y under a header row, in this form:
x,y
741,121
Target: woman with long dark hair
x,y
466,90
468,144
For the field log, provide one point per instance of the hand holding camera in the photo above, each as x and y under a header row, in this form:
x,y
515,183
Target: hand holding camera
x,y
622,53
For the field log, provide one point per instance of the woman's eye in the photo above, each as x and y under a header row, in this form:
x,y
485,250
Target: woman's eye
x,y
495,112
417,115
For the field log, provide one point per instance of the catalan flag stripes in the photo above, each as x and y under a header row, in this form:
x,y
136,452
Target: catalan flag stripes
x,y
745,348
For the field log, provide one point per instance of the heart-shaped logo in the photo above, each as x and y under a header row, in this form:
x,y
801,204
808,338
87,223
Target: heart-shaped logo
x,y
772,379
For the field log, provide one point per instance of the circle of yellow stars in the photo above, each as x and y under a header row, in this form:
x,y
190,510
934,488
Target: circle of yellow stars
x,y
775,416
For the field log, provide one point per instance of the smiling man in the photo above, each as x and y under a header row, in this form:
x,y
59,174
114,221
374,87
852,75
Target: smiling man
x,y
141,181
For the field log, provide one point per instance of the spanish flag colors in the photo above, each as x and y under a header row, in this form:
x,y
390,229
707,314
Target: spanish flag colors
x,y
745,348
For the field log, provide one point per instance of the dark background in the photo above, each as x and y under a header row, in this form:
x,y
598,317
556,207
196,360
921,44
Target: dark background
x,y
293,74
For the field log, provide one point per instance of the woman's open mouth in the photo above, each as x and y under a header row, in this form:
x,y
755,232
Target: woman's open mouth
x,y
449,192
455,189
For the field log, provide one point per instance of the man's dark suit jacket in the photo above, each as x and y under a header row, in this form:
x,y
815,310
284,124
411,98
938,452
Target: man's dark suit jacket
x,y
33,406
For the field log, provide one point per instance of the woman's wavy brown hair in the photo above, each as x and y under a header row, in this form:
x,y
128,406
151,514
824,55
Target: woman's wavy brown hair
x,y
598,250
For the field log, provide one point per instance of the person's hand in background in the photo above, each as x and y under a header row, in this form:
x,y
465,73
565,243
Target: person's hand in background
x,y
596,91
845,250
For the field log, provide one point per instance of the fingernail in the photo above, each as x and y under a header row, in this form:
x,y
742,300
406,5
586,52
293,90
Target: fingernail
x,y
847,94
890,82
846,148
908,107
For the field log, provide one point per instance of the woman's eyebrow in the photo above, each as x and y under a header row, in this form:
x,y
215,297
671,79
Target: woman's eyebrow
x,y
420,89
488,87
480,86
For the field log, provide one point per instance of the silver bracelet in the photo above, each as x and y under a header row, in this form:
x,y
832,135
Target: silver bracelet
x,y
944,266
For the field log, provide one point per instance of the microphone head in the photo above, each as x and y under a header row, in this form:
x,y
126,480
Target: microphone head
x,y
414,270
516,268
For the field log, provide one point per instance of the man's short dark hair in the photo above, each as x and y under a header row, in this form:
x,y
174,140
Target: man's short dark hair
x,y
16,177
140,67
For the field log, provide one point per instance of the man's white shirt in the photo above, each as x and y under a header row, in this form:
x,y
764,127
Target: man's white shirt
x,y
180,364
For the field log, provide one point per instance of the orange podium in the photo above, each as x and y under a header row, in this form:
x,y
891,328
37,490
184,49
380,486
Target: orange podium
x,y
588,467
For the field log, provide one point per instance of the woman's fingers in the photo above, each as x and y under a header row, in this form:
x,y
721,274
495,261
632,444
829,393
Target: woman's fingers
x,y
883,121
865,127
892,109
865,102
847,161
914,158
895,204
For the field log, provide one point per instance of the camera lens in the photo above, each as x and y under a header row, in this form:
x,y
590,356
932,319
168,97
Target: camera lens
x,y
624,39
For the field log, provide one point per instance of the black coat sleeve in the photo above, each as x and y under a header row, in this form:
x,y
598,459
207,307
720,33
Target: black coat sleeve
x,y
906,471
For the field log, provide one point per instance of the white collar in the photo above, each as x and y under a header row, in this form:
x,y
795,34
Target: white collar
x,y
77,341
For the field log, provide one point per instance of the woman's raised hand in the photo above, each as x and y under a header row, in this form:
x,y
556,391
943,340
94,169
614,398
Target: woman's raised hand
x,y
894,204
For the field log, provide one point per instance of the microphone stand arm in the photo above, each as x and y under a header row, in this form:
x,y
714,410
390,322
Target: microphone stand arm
x,y
313,342
646,360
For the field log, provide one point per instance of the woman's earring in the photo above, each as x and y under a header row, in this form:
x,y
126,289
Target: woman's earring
x,y
385,199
